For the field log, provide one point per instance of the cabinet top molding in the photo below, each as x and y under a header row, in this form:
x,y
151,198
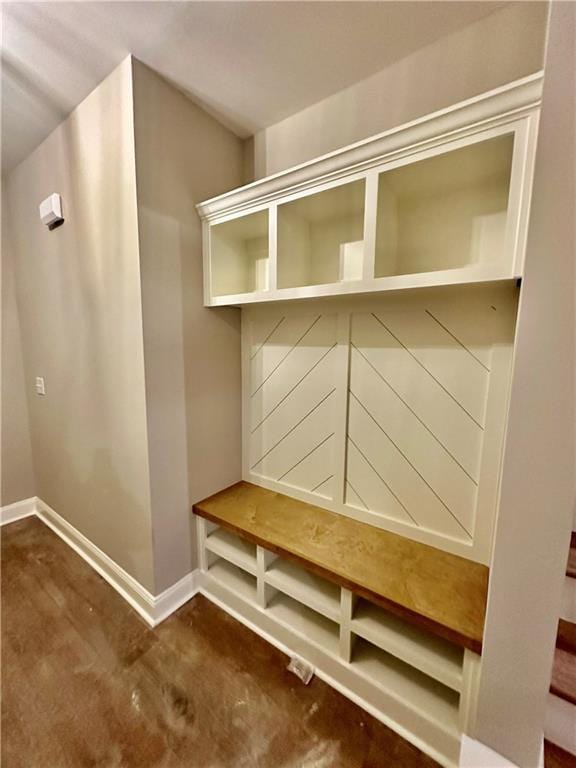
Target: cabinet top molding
x,y
491,109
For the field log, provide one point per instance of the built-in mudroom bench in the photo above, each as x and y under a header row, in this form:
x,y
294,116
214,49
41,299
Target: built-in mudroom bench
x,y
379,290
395,623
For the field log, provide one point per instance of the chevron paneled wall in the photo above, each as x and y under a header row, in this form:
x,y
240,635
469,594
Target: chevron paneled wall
x,y
389,411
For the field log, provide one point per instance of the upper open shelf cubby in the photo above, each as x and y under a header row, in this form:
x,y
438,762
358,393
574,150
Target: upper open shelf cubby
x,y
239,255
443,200
445,212
321,237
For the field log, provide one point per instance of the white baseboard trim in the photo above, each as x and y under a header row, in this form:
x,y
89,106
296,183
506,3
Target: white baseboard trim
x,y
17,511
475,754
152,608
560,719
168,601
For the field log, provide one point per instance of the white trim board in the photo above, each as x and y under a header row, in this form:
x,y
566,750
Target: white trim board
x,y
153,609
560,720
17,511
493,108
475,754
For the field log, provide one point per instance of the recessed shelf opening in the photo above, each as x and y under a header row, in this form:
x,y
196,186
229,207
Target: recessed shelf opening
x,y
445,212
321,237
234,578
233,549
432,699
313,591
310,624
428,653
240,255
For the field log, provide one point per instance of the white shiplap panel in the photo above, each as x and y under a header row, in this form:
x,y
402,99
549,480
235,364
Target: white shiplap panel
x,y
298,442
266,357
471,326
314,472
452,426
262,331
310,390
293,367
365,488
435,348
421,503
420,447
292,408
351,419
351,497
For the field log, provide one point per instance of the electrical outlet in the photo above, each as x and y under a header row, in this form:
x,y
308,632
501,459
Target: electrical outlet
x,y
40,388
301,669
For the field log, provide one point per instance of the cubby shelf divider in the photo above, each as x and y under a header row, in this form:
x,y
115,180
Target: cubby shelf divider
x,y
406,677
373,216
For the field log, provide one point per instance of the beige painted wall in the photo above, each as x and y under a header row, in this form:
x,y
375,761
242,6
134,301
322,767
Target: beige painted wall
x,y
499,48
79,298
16,468
538,478
192,354
142,412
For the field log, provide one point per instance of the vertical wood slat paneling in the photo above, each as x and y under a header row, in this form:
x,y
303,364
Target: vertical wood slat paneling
x,y
379,410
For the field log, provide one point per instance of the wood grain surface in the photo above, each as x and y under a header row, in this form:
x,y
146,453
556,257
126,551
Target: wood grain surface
x,y
436,590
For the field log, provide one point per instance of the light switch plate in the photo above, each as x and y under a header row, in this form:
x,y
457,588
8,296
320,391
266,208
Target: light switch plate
x,y
40,388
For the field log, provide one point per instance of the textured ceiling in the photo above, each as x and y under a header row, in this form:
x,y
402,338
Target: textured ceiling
x,y
250,63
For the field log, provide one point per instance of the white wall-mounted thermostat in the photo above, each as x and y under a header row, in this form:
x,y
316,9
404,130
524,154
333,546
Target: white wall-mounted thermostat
x,y
51,211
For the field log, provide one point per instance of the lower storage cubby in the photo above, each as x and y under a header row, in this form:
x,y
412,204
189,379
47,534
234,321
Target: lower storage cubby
x,y
233,549
406,676
429,654
432,700
311,625
234,579
313,591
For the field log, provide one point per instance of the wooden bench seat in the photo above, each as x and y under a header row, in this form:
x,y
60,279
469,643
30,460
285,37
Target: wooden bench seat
x,y
440,592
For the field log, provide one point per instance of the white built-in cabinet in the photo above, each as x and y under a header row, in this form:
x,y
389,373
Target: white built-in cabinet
x,y
384,395
441,201
406,676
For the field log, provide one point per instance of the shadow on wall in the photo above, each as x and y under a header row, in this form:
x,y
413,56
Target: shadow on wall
x,y
17,472
32,105
80,302
211,387
111,517
188,385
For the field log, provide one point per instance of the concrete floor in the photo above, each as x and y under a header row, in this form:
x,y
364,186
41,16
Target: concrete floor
x,y
87,684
